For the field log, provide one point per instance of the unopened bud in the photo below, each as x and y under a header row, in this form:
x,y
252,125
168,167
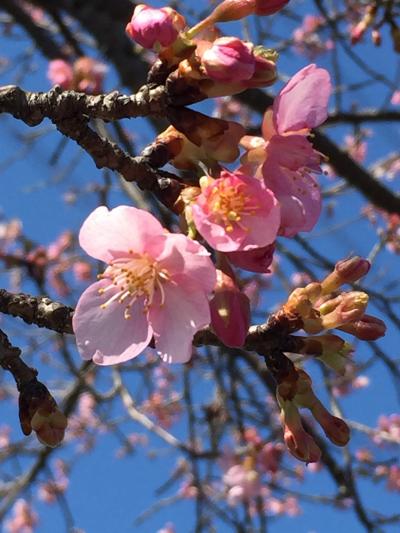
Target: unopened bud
x,y
299,443
330,349
257,260
334,428
38,411
49,427
229,59
346,271
230,312
264,67
151,27
232,10
345,308
367,328
269,7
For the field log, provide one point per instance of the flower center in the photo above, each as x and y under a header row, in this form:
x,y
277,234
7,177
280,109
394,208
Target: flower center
x,y
229,203
134,276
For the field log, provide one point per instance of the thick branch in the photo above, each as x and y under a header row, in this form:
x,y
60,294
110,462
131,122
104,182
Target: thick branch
x,y
37,310
70,112
58,105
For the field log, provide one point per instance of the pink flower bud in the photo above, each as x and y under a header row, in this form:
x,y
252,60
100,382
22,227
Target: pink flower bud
x,y
232,10
264,68
330,349
269,7
335,428
345,308
230,312
298,441
367,328
229,60
346,271
351,270
49,427
151,26
257,260
60,73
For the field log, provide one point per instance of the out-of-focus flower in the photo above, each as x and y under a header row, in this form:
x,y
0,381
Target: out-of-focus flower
x,y
61,73
85,74
306,39
89,75
52,489
5,432
168,528
243,483
156,284
289,505
395,100
24,519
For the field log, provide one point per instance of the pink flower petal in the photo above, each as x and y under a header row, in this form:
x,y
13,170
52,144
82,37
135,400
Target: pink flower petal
x,y
183,256
185,311
105,233
302,103
104,334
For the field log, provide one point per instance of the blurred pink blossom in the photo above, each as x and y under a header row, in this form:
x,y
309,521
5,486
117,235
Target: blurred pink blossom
x,y
24,519
306,39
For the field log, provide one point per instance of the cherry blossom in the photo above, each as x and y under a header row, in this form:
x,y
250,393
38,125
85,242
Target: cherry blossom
x,y
156,284
236,213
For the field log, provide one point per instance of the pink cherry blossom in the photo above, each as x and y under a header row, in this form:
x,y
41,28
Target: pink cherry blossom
x,y
395,100
394,478
89,75
229,59
287,173
60,73
236,213
24,519
242,482
156,284
306,39
302,103
150,26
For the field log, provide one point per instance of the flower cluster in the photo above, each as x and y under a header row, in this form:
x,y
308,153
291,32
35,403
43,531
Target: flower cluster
x,y
159,289
316,308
